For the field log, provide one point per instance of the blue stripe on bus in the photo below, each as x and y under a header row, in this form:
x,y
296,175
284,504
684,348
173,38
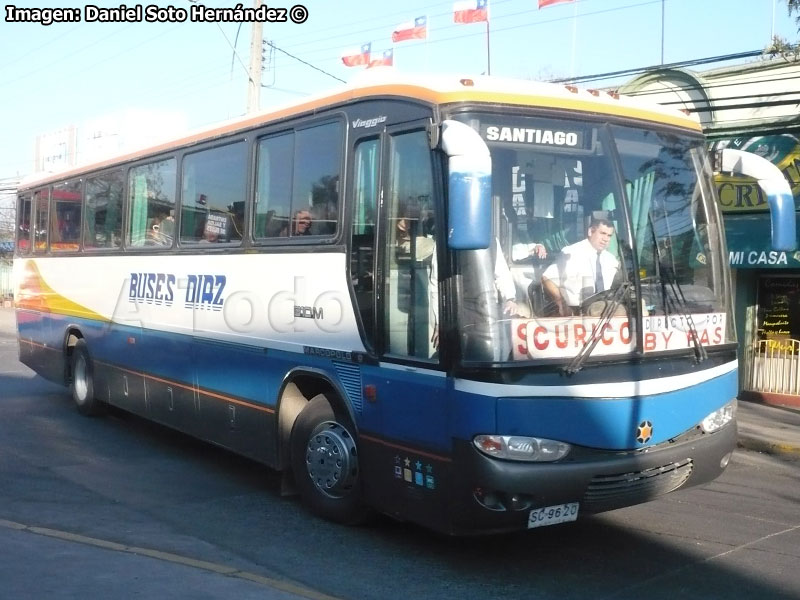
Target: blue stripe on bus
x,y
410,410
236,370
612,423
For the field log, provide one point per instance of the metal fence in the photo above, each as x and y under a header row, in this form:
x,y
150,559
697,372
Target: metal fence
x,y
5,280
773,366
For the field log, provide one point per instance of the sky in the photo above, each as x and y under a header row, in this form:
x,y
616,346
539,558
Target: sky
x,y
176,76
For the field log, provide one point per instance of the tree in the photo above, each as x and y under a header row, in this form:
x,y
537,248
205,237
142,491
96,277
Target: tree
x,y
782,47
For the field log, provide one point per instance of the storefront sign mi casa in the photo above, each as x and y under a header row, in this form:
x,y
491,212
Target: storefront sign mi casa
x,y
763,258
551,337
153,13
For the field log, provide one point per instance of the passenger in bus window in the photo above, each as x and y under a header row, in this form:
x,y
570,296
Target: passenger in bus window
x,y
210,236
503,282
522,251
583,269
301,224
161,230
424,244
167,226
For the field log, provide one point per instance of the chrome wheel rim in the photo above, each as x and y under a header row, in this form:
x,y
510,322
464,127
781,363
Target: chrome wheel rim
x,y
331,459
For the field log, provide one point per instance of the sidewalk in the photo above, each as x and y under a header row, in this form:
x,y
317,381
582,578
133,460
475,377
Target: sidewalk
x,y
769,429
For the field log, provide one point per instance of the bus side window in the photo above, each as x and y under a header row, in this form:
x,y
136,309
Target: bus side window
x,y
152,200
65,216
41,202
274,186
362,250
317,166
24,224
410,319
212,185
103,211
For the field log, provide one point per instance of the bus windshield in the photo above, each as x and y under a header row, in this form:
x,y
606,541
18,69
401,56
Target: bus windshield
x,y
607,243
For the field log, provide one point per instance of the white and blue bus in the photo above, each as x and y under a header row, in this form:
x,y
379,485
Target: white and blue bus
x,y
317,288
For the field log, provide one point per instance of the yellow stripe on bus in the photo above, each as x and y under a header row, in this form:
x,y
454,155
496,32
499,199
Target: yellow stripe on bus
x,y
35,294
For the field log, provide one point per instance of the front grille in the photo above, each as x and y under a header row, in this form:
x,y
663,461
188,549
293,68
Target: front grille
x,y
607,492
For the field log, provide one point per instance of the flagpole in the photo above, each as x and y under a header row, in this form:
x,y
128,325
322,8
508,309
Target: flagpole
x,y
662,32
427,63
574,36
772,28
488,54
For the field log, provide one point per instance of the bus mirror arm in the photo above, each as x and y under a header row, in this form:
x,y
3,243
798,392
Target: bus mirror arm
x,y
775,187
433,134
469,207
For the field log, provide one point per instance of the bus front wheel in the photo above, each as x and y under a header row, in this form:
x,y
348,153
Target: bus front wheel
x,y
325,464
82,381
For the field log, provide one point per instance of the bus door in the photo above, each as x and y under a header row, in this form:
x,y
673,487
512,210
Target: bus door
x,y
404,425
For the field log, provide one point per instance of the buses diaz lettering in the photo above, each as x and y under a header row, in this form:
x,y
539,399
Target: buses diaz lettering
x,y
201,291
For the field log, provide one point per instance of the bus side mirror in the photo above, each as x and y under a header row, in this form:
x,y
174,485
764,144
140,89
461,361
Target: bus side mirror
x,y
775,187
469,212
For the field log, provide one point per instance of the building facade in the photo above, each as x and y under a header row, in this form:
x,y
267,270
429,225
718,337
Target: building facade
x,y
752,107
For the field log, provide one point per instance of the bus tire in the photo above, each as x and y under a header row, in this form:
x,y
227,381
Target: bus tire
x,y
325,465
82,381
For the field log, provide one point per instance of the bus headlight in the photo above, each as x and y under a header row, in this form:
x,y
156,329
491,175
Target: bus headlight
x,y
516,447
719,418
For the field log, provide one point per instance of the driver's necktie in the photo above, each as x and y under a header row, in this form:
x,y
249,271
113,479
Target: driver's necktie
x,y
598,278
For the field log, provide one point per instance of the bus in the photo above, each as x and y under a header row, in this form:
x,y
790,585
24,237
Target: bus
x,y
317,287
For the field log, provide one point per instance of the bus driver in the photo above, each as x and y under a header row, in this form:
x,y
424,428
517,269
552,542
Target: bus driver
x,y
583,269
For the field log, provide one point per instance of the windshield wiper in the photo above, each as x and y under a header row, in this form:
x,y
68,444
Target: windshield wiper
x,y
678,300
576,364
666,275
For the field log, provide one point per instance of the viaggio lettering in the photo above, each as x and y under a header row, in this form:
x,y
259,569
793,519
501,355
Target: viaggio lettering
x,y
368,122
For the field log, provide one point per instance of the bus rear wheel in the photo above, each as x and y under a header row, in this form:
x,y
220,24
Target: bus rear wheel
x,y
325,464
82,381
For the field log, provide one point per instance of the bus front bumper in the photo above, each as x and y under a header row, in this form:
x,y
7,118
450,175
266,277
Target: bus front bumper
x,y
492,495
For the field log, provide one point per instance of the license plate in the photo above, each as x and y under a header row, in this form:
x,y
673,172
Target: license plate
x,y
551,515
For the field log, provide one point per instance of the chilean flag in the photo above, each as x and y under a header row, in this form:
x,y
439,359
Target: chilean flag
x,y
386,60
471,11
355,58
543,3
418,30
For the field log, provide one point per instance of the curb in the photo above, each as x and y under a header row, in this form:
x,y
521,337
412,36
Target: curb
x,y
783,449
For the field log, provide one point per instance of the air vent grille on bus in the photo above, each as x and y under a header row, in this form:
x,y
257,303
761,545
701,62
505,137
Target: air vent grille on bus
x,y
350,376
607,492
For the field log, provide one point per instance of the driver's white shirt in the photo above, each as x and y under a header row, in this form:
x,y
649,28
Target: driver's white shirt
x,y
575,269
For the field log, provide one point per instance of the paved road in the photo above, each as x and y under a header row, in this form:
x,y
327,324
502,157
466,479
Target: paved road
x,y
45,502
120,508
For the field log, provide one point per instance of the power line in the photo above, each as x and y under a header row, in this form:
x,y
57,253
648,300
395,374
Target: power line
x,y
745,97
756,104
756,79
637,70
308,64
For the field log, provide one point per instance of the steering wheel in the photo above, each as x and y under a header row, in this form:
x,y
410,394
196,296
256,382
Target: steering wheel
x,y
594,305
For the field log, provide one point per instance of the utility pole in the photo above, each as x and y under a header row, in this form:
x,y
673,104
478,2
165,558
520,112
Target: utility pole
x,y
254,78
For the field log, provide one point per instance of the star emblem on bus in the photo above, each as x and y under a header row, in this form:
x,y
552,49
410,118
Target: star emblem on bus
x,y
644,432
